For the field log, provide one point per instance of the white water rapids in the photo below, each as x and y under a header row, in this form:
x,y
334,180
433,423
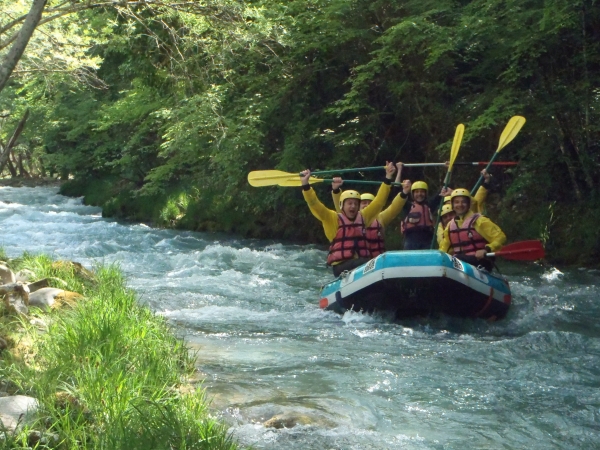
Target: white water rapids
x,y
250,309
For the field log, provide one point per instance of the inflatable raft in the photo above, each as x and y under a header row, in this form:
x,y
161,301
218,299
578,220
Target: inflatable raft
x,y
419,283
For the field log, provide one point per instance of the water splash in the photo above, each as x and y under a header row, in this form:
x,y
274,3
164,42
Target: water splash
x,y
249,308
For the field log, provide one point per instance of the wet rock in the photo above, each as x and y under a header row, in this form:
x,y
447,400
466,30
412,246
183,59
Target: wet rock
x,y
46,298
67,401
38,285
34,438
16,297
76,268
6,275
17,410
25,275
39,324
288,420
64,399
42,439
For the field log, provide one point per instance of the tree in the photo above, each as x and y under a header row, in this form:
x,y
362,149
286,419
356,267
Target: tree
x,y
17,49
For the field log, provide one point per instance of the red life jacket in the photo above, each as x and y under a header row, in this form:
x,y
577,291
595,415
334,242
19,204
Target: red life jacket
x,y
375,239
418,218
349,240
466,239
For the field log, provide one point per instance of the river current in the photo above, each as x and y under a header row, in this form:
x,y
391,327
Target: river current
x,y
265,349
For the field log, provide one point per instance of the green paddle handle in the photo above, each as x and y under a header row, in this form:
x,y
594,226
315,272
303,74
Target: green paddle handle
x,y
474,190
359,169
363,182
437,221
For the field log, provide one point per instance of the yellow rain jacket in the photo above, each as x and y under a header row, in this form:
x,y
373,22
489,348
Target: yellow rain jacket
x,y
385,217
477,206
329,218
491,232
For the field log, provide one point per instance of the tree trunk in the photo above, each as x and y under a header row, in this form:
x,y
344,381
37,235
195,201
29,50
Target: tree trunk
x,y
31,164
11,168
22,172
17,49
12,141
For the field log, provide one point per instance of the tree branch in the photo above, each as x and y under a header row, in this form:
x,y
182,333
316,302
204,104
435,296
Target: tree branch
x,y
13,139
16,51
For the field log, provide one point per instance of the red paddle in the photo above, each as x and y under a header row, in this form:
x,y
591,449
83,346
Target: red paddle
x,y
521,251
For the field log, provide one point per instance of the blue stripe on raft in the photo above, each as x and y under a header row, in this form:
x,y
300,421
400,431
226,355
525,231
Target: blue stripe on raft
x,y
414,259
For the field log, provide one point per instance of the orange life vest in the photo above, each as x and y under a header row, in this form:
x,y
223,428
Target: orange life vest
x,y
418,218
375,239
466,239
349,240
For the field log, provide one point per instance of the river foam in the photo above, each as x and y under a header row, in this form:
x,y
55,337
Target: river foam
x,y
250,310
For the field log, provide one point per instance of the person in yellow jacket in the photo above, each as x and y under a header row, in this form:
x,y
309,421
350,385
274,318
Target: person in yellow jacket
x,y
470,236
337,183
375,231
478,200
346,230
480,196
446,216
477,205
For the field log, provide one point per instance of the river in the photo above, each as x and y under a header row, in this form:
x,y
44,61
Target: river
x,y
250,310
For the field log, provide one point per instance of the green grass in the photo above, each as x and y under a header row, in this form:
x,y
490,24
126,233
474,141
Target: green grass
x,y
108,373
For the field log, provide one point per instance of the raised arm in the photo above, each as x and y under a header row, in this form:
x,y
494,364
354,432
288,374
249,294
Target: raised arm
x,y
327,217
372,211
390,213
336,192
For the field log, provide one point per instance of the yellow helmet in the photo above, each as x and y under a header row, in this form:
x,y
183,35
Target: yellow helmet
x,y
346,195
447,199
461,192
419,185
445,210
367,196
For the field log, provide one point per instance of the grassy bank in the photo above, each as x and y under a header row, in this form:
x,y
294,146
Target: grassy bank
x,y
108,373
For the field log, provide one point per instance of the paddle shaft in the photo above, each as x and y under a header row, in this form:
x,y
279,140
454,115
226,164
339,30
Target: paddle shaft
x,y
458,135
483,163
511,129
358,169
364,169
439,212
328,180
520,255
487,168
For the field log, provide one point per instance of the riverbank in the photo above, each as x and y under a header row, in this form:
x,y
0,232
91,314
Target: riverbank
x,y
105,373
30,182
566,229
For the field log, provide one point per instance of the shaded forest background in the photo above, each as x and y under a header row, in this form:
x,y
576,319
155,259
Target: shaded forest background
x,y
157,111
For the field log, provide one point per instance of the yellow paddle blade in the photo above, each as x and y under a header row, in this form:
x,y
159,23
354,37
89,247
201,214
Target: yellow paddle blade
x,y
511,129
297,182
458,135
259,178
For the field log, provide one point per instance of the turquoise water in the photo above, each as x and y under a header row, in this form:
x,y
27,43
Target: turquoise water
x,y
265,349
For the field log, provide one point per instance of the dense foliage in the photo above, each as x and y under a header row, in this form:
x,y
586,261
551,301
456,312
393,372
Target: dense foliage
x,y
184,103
